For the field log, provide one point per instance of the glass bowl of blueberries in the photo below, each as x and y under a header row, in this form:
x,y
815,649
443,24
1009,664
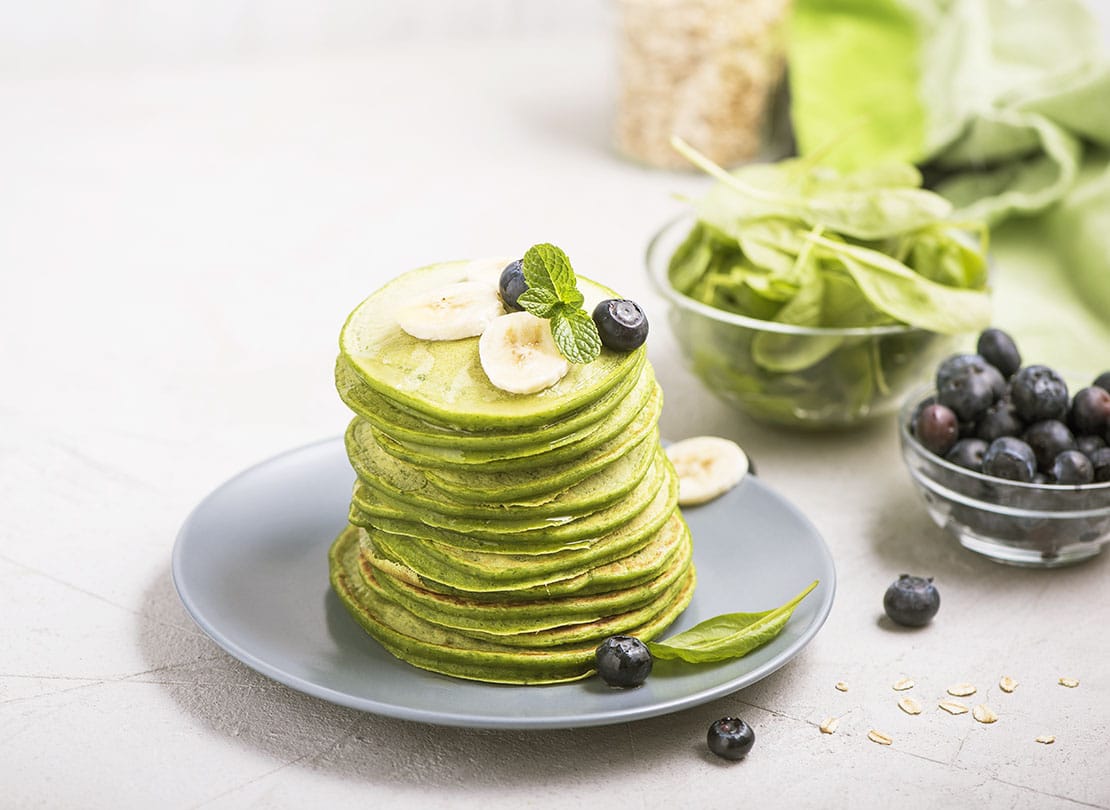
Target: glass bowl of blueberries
x,y
1008,459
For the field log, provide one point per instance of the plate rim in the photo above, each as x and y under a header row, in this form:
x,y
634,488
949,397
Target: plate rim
x,y
462,719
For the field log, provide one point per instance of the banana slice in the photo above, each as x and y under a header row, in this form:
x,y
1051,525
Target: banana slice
x,y
519,355
486,271
451,312
707,466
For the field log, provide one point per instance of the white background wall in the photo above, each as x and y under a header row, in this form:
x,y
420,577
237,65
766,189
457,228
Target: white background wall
x,y
53,35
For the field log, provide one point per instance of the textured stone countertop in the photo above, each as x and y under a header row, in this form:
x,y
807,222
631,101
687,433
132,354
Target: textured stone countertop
x,y
177,252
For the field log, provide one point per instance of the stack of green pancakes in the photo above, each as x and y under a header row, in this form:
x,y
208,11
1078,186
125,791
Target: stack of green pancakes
x,y
495,536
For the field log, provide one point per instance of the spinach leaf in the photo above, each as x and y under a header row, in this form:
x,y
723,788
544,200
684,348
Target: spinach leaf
x,y
729,636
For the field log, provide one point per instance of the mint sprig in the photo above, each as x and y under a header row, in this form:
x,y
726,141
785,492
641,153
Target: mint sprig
x,y
553,294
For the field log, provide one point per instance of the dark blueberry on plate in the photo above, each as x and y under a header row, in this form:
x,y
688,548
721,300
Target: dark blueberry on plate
x,y
999,350
1103,381
968,384
730,737
1100,461
1010,458
1072,467
1048,439
1090,410
512,284
1000,419
1040,393
911,601
936,428
968,453
1089,445
623,326
623,661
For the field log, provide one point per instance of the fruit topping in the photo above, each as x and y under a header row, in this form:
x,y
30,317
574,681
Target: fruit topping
x,y
1010,458
519,355
937,428
998,349
621,324
512,284
707,466
968,384
452,312
1040,393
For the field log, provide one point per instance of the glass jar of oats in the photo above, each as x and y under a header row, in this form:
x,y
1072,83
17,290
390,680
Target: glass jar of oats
x,y
705,70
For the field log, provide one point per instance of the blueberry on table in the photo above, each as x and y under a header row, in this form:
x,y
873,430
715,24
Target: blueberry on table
x,y
1000,419
1103,381
621,323
1040,393
968,453
968,384
1048,438
1090,411
1100,461
623,661
937,428
730,737
512,284
1010,458
911,601
999,349
1072,467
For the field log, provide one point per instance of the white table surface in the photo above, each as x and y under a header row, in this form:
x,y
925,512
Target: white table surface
x,y
177,252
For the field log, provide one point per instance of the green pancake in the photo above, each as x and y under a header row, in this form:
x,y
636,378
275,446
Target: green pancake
x,y
408,484
404,425
441,650
444,381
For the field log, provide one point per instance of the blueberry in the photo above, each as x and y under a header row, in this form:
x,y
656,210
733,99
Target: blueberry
x,y
968,384
621,324
1090,411
999,350
1089,445
1100,461
1000,419
968,453
1103,381
911,601
623,661
1072,467
730,737
512,284
936,428
1048,439
1010,458
1040,393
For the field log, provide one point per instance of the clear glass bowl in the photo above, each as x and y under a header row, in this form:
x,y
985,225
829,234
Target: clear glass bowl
x,y
862,373
1040,525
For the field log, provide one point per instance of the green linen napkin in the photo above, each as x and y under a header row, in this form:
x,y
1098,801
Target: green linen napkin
x,y
1005,105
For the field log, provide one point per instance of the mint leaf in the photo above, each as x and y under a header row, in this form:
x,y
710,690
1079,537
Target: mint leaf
x,y
729,636
540,301
548,267
575,334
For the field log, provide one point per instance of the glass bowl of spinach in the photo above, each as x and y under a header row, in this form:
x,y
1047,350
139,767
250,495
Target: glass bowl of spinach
x,y
814,298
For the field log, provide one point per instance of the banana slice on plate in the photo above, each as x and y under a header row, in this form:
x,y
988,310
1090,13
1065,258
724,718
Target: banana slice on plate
x,y
519,354
452,312
707,466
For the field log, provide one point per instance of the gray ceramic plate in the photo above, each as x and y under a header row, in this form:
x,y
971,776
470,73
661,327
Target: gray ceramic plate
x,y
250,565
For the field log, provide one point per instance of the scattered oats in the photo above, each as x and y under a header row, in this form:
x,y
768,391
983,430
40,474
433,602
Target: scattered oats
x,y
841,686
879,737
1007,684
1070,683
1047,739
953,707
984,713
909,705
961,690
829,726
902,685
